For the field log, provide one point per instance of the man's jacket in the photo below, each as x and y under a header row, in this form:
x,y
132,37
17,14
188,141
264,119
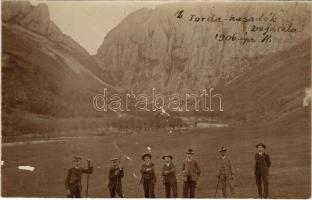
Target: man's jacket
x,y
114,178
148,172
191,168
73,178
224,166
169,174
262,164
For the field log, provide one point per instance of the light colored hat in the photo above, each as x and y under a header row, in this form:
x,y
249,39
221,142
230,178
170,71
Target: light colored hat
x,y
222,149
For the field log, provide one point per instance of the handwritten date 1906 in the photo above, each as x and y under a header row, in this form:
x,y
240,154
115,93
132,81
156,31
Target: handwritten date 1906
x,y
242,39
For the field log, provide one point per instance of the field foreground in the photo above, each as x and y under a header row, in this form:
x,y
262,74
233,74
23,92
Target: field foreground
x,y
288,145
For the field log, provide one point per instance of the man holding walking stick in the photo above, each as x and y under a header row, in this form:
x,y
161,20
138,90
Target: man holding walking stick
x,y
73,185
116,173
224,173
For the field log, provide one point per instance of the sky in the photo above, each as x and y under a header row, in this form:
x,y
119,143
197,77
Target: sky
x,y
88,22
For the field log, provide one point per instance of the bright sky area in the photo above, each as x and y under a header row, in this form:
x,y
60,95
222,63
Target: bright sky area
x,y
88,22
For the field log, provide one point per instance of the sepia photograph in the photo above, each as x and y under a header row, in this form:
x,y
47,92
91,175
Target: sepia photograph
x,y
155,99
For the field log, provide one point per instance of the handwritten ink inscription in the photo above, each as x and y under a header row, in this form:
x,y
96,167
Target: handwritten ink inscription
x,y
264,24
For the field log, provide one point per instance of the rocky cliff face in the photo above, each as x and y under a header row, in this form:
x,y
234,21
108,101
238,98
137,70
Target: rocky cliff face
x,y
154,48
36,19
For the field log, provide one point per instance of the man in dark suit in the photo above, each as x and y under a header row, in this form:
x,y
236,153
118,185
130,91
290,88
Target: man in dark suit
x,y
148,176
262,166
169,177
191,173
73,185
116,173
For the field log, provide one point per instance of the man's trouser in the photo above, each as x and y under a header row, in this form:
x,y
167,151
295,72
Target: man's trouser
x,y
114,189
189,188
148,186
74,193
262,179
226,180
171,187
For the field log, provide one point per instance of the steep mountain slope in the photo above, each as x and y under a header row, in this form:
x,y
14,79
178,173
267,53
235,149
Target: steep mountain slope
x,y
46,76
152,48
274,89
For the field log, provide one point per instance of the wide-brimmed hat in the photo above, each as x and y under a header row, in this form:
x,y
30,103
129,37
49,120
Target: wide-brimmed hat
x,y
76,158
222,149
167,155
189,151
146,155
260,144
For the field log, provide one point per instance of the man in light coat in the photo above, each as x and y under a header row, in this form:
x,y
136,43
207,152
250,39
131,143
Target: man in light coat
x,y
224,172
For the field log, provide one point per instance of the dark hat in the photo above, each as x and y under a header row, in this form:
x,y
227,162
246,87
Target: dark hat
x,y
146,155
76,158
167,155
260,144
222,149
114,159
190,151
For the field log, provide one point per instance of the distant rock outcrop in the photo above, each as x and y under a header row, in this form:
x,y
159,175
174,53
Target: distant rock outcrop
x,y
37,19
34,18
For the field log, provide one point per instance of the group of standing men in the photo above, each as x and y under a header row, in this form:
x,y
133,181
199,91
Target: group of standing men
x,y
191,172
190,169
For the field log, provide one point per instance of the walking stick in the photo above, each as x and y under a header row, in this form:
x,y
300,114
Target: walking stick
x,y
141,180
89,165
117,175
215,195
